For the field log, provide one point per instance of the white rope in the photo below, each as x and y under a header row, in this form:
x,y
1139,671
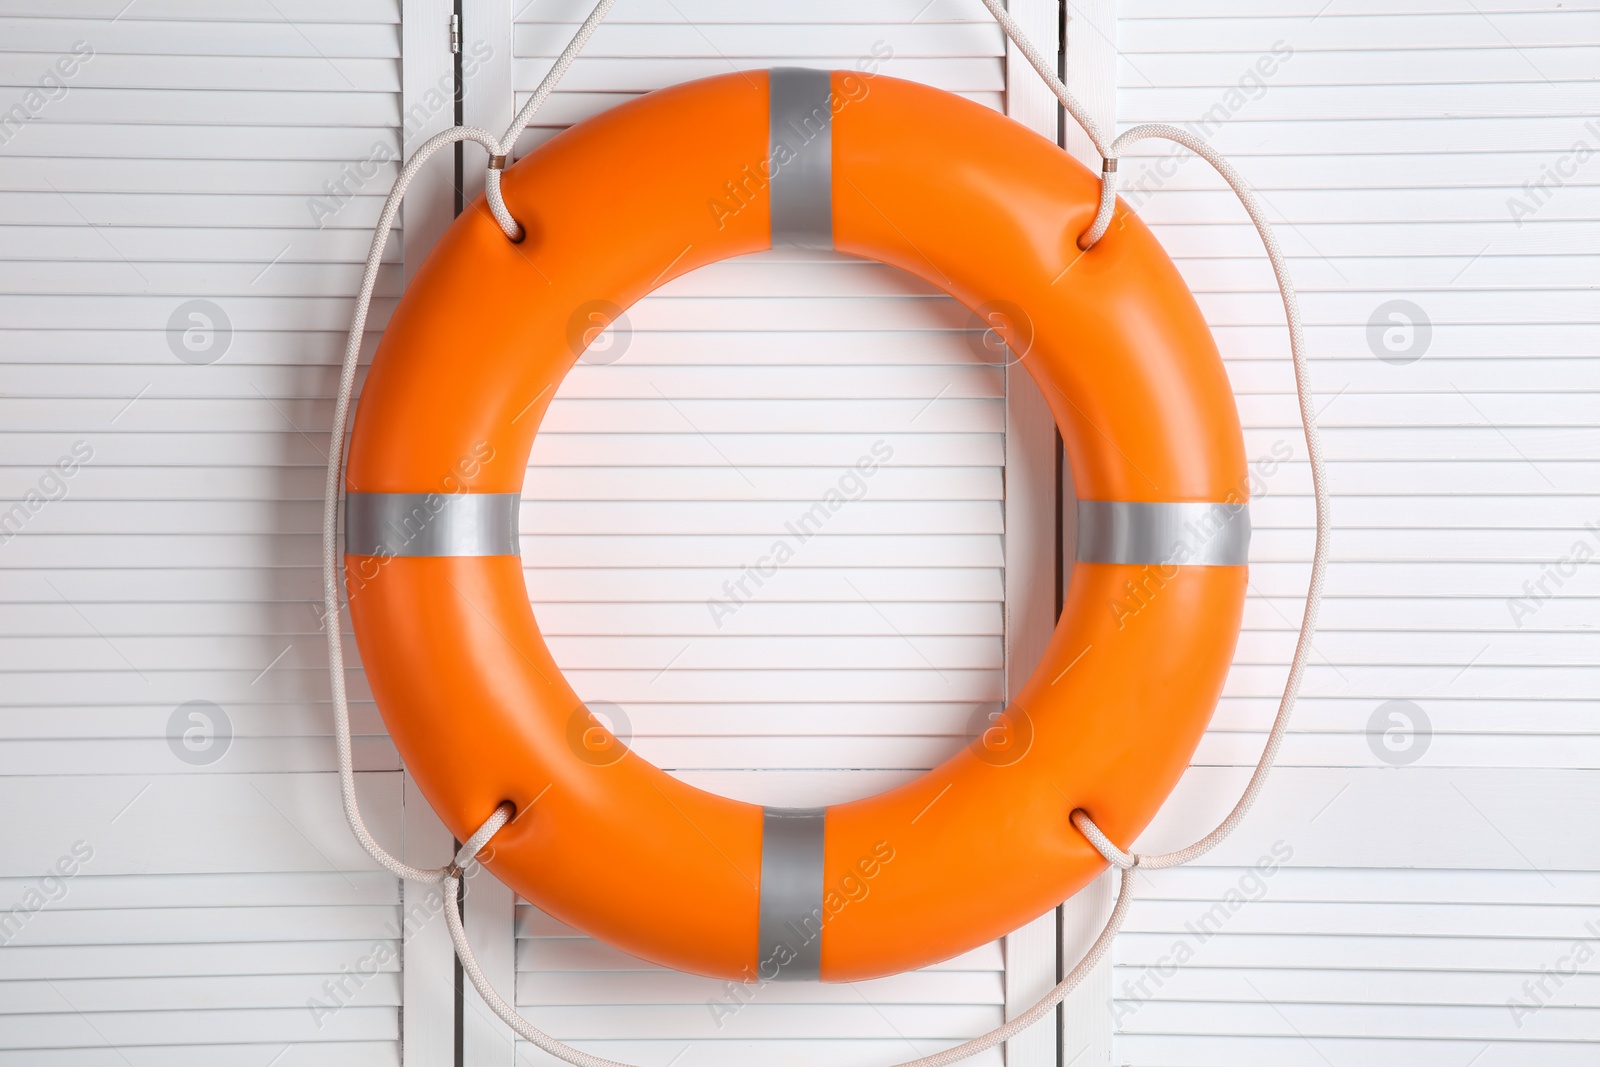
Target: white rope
x,y
449,877
330,499
1045,71
1126,861
1319,485
497,202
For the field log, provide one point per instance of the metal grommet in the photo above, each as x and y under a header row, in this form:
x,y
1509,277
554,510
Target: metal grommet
x,y
497,162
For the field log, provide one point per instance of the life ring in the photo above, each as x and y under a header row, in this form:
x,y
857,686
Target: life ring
x,y
875,167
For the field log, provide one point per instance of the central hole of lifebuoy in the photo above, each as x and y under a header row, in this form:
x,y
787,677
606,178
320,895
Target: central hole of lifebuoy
x,y
763,527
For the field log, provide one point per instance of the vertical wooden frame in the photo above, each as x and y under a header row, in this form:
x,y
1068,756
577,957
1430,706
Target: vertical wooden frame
x,y
1030,540
427,959
427,107
1091,73
488,101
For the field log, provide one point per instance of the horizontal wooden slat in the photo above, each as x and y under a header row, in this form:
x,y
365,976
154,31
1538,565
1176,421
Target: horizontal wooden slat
x,y
779,1052
269,11
1295,1051
366,35
761,19
596,75
373,105
320,1054
217,72
238,890
260,1025
627,38
1331,70
1463,29
207,924
674,987
93,996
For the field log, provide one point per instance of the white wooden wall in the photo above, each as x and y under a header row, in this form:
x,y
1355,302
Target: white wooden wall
x,y
236,154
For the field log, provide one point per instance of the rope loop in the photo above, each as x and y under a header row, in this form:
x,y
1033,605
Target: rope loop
x,y
492,192
503,813
1108,205
1126,861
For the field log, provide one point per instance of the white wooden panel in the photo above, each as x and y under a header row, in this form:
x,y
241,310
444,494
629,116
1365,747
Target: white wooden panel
x,y
1387,902
219,911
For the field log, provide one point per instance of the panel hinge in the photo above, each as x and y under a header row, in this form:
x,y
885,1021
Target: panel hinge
x,y
455,35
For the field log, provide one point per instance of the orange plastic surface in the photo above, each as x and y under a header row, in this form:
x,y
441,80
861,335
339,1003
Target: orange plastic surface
x,y
614,207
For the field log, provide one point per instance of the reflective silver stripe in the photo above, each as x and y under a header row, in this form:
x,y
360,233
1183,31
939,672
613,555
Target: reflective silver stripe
x,y
791,894
431,524
1122,531
800,147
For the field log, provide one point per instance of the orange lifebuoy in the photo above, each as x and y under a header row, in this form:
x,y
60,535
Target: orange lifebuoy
x,y
875,167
